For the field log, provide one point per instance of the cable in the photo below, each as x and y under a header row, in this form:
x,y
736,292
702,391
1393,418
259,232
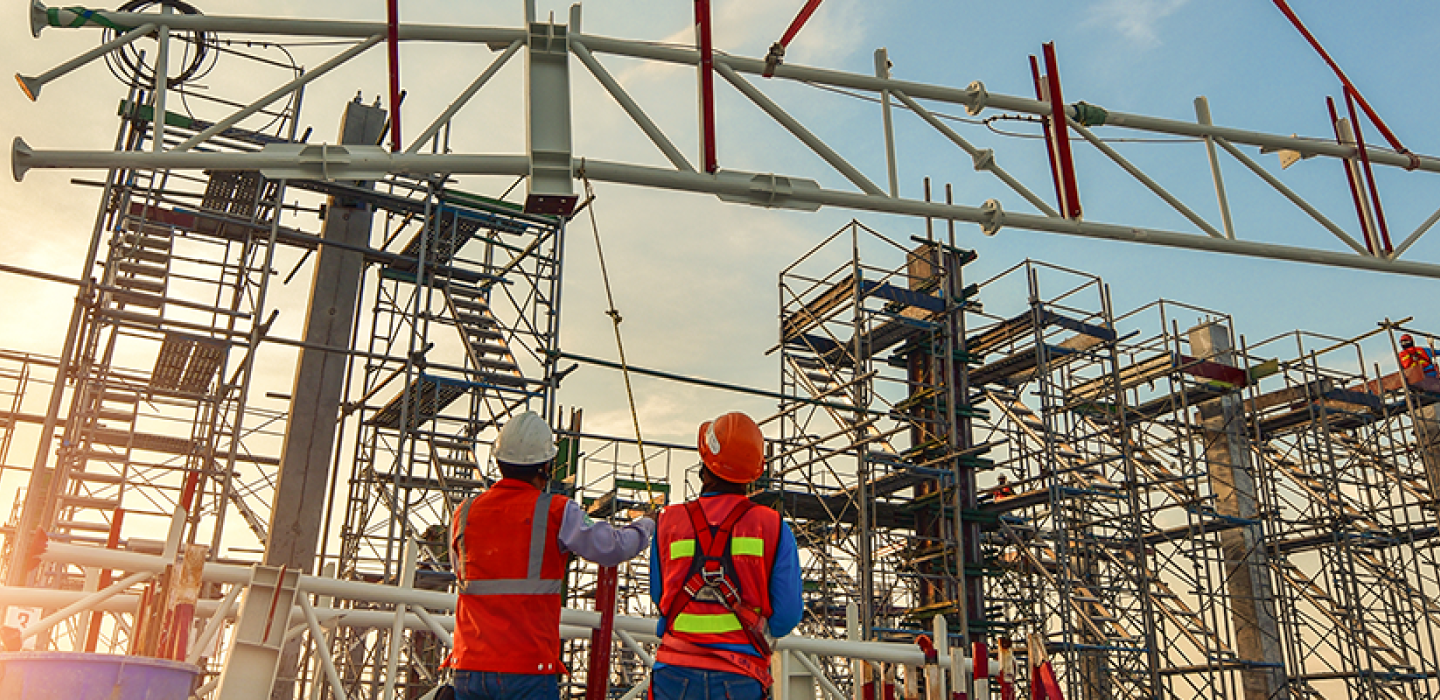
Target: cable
x,y
615,319
126,65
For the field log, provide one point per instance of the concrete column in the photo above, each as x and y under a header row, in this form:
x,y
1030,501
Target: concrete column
x,y
302,484
1227,451
1427,444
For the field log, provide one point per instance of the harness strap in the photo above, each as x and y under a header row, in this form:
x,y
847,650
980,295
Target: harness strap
x,y
712,545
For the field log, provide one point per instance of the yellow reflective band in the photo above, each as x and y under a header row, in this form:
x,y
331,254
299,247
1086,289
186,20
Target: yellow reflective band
x,y
752,546
706,624
679,549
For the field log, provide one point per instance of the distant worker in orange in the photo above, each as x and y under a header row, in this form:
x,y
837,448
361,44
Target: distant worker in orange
x,y
1411,356
1005,675
510,546
725,574
1003,490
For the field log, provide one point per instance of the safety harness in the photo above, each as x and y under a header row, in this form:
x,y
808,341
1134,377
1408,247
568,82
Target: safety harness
x,y
712,576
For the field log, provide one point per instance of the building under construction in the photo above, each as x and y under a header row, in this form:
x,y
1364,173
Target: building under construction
x,y
1172,509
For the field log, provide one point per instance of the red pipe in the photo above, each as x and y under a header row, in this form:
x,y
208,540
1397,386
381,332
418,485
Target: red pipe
x,y
707,84
112,541
1049,142
1379,123
1061,125
392,16
1369,175
1350,177
597,679
799,21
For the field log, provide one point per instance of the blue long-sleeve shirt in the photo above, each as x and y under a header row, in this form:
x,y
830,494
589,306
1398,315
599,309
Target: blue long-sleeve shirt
x,y
786,604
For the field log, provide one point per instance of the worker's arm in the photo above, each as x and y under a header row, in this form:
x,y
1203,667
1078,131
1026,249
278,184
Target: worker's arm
x,y
601,542
786,604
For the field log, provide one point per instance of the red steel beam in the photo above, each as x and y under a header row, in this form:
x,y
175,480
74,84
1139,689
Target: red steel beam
x,y
1049,140
1344,80
707,85
1369,174
112,541
1061,127
597,679
392,42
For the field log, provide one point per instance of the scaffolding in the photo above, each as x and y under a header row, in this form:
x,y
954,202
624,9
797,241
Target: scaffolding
x,y
157,441
873,435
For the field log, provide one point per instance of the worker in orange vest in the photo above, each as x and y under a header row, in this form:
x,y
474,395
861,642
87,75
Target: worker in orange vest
x,y
725,574
510,546
1003,488
1411,355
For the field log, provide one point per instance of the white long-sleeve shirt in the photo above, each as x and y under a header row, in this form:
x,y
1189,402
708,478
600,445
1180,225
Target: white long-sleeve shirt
x,y
602,542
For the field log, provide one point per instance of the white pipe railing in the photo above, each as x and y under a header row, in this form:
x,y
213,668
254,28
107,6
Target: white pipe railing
x,y
412,612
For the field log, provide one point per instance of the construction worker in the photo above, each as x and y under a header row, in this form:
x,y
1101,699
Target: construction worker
x,y
1003,490
1411,355
1005,674
511,544
725,574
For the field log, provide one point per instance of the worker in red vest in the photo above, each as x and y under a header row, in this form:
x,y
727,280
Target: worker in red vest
x,y
1411,355
510,546
725,574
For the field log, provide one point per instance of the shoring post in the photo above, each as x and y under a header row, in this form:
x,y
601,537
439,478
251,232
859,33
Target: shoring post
x,y
1369,173
597,678
707,85
1367,225
882,71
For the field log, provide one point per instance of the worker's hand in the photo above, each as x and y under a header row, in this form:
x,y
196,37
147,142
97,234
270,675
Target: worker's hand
x,y
647,510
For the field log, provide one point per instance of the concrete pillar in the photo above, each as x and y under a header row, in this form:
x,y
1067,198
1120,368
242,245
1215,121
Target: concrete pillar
x,y
302,484
1427,444
1252,599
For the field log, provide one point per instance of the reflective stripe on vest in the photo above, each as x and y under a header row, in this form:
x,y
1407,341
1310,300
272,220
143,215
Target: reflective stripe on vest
x,y
739,547
532,584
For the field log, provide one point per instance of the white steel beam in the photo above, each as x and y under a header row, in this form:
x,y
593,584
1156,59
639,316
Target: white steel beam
x,y
628,104
975,96
1145,180
359,163
551,182
983,158
299,82
800,132
465,96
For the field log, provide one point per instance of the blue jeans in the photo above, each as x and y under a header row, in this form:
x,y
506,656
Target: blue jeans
x,y
489,685
685,683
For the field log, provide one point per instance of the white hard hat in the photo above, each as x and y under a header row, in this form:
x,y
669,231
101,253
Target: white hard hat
x,y
525,441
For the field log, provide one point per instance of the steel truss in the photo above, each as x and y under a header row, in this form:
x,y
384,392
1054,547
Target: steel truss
x,y
551,169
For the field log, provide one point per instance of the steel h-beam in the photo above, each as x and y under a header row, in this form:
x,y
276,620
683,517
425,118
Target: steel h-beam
x,y
320,374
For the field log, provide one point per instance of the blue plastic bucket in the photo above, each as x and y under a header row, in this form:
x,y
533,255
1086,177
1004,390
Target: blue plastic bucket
x,y
59,675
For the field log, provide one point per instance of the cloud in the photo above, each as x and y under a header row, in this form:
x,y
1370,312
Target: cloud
x,y
1137,20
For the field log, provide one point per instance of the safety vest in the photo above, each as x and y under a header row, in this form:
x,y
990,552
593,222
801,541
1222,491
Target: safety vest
x,y
1413,356
716,557
510,571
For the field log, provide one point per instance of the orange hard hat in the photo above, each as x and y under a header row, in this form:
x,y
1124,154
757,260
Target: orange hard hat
x,y
1406,340
733,448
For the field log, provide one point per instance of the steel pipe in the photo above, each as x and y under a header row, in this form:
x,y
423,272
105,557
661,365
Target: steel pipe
x,y
31,86
360,163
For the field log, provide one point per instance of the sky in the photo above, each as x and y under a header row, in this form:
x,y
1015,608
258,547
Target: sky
x,y
696,279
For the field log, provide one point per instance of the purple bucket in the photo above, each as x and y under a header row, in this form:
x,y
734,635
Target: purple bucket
x,y
59,675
